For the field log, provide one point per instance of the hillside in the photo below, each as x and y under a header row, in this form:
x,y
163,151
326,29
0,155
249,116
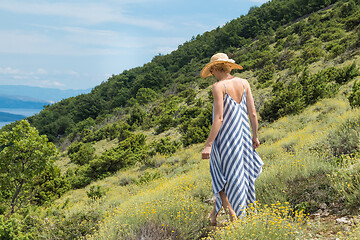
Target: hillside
x,y
280,55
20,102
40,94
130,165
8,117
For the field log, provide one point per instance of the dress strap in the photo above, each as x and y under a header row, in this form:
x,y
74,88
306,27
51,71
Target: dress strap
x,y
224,87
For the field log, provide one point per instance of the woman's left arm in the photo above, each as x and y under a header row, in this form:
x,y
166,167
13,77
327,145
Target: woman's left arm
x,y
218,95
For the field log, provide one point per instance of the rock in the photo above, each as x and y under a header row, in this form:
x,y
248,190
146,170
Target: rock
x,y
343,220
323,206
210,201
325,213
314,215
319,211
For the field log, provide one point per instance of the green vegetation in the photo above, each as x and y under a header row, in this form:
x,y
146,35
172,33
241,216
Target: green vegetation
x,y
130,163
25,159
307,90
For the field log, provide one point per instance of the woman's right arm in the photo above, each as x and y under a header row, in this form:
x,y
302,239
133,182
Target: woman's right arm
x,y
252,114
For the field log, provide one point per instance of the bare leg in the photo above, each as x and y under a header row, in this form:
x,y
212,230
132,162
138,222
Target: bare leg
x,y
227,206
213,216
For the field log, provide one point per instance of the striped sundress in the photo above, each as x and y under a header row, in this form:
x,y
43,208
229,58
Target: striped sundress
x,y
234,163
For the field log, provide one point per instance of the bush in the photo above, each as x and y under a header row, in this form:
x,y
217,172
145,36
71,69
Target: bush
x,y
49,186
320,85
354,97
189,95
165,122
145,95
312,54
81,153
129,151
165,146
59,224
353,21
293,97
308,192
266,74
148,177
13,228
196,130
137,116
95,193
286,100
345,139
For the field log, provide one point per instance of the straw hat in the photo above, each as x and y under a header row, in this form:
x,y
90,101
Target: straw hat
x,y
217,59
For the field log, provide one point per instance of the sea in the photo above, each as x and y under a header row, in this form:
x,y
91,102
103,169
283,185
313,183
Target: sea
x,y
22,111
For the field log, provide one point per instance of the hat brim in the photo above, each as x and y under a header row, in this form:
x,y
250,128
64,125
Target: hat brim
x,y
205,72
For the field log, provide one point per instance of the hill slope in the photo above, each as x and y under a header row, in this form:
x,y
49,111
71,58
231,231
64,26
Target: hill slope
x,y
256,40
132,146
9,117
41,94
20,102
171,196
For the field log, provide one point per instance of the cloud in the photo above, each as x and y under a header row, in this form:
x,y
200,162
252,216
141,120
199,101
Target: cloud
x,y
88,13
76,41
41,71
9,70
51,84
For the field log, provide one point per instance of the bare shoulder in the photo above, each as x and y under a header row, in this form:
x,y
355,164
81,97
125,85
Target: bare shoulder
x,y
243,81
216,87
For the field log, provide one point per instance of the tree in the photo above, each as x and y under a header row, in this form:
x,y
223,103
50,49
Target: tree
x,y
24,154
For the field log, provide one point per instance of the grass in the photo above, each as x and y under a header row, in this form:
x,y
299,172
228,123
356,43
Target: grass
x,y
277,221
170,198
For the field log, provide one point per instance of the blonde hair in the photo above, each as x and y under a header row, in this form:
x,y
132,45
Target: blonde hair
x,y
223,67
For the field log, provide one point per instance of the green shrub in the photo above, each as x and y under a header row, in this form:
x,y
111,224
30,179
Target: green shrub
x,y
13,228
308,192
354,97
81,153
148,177
95,193
49,186
286,100
346,181
266,74
293,97
318,86
137,116
165,146
60,224
352,21
189,95
345,139
312,53
145,95
347,9
165,122
196,130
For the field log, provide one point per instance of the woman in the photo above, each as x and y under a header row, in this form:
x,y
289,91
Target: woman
x,y
234,163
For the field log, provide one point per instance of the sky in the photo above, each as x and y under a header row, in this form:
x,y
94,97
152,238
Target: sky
x,y
77,44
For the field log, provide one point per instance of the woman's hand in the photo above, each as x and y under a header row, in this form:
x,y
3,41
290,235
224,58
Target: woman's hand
x,y
206,153
255,142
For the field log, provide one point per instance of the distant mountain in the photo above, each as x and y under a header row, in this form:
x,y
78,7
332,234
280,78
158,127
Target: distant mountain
x,y
21,102
39,94
9,117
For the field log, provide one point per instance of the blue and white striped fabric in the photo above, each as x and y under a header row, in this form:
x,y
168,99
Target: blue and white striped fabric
x,y
234,163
